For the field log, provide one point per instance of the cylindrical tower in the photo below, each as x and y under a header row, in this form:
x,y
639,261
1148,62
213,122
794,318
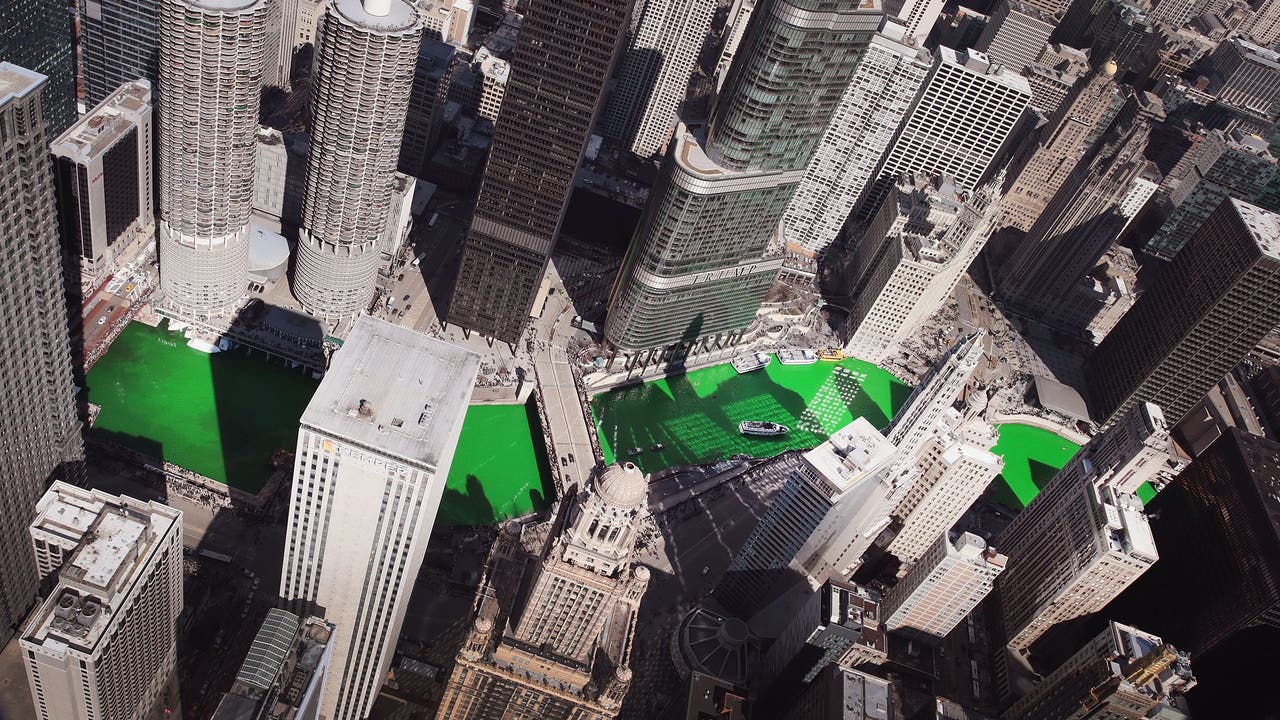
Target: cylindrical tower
x,y
363,73
211,63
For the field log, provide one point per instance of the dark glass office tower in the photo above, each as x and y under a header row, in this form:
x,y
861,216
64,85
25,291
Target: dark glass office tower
x,y
562,60
1205,312
36,34
700,264
119,43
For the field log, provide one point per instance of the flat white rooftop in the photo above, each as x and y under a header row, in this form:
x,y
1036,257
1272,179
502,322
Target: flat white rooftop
x,y
17,81
395,391
1263,225
849,455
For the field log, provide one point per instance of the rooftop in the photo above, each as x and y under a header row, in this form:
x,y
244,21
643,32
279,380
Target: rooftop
x,y
851,454
1263,225
864,697
979,64
17,81
110,541
112,119
395,391
283,664
390,16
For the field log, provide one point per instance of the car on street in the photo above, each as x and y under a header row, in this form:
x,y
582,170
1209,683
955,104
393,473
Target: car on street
x,y
564,461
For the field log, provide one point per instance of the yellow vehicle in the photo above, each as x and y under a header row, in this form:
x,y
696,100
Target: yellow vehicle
x,y
832,355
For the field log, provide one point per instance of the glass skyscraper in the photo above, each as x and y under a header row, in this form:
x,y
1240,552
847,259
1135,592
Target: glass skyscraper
x,y
119,43
36,34
700,262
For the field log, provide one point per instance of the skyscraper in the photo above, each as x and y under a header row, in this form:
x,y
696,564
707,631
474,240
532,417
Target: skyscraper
x,y
810,508
37,35
869,113
556,643
1243,169
910,256
206,167
689,274
1085,113
374,449
1071,550
42,442
958,123
840,624
1205,312
1122,673
935,394
948,581
1015,34
104,643
919,16
653,72
1216,525
284,674
105,167
360,87
561,63
119,43
1137,449
940,481
1082,220
844,694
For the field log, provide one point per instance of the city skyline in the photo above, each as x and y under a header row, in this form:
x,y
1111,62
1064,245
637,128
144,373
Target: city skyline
x,y
636,359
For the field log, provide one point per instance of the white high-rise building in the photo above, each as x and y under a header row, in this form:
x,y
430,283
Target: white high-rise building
x,y
912,253
653,74
941,481
108,202
958,123
374,449
1071,551
935,394
887,80
104,643
920,17
359,98
212,59
943,587
809,509
462,16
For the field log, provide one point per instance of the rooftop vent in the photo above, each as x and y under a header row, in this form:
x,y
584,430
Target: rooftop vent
x,y
365,410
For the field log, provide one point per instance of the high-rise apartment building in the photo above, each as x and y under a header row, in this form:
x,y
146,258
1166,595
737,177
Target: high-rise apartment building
x,y
1138,449
374,449
284,674
1071,551
1243,169
911,254
1176,13
37,36
105,641
1216,525
870,111
1083,116
494,74
653,73
1205,312
810,508
104,175
1015,34
360,86
690,275
42,442
958,123
556,613
1122,673
1081,221
206,167
942,587
562,60
119,43
940,481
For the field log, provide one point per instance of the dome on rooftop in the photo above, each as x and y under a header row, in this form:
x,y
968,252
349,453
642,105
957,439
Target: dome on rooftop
x,y
1110,68
623,485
